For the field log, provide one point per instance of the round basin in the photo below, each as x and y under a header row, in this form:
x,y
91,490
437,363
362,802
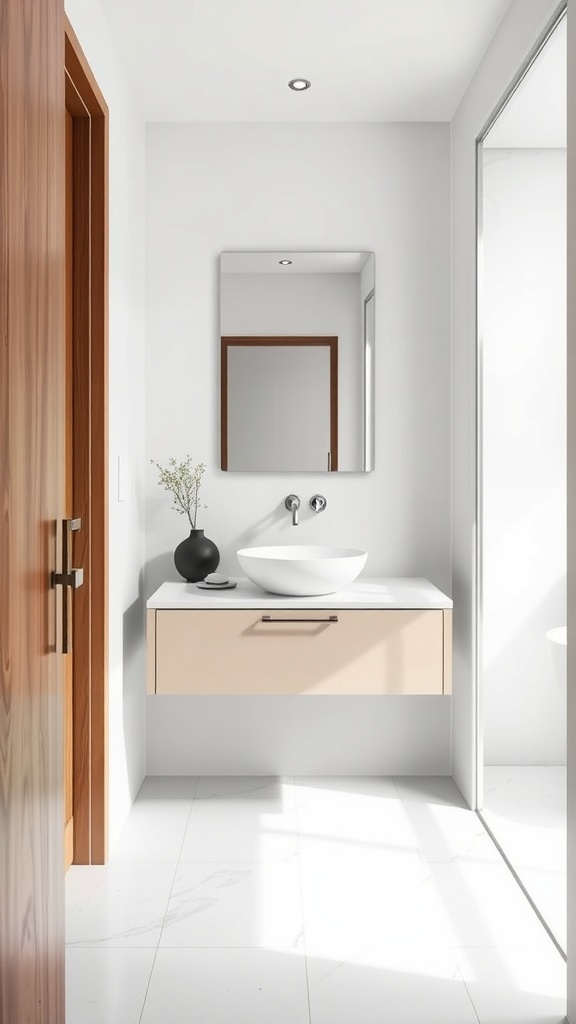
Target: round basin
x,y
302,571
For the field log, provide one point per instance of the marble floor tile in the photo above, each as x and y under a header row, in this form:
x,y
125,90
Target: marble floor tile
x,y
481,904
154,832
254,831
353,906
125,906
173,788
272,793
429,789
444,833
515,985
260,820
403,988
227,986
342,816
106,986
80,884
383,901
249,905
525,808
155,827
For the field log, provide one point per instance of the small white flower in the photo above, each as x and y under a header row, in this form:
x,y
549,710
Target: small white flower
x,y
183,480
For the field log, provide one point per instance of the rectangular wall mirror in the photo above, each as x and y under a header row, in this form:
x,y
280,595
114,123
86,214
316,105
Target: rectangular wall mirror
x,y
297,361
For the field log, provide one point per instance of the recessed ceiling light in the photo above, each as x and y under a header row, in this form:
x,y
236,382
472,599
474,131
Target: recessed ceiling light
x,y
284,263
299,84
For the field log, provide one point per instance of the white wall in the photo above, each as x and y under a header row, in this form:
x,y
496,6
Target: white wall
x,y
524,452
303,186
126,701
515,38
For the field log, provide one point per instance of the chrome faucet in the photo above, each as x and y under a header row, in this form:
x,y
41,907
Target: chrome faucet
x,y
292,503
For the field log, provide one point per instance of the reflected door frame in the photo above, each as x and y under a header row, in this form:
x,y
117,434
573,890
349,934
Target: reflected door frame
x,y
330,342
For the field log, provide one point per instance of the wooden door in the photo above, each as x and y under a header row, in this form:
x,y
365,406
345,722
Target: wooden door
x,y
32,407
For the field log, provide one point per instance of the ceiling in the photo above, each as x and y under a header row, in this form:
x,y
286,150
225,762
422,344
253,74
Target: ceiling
x,y
368,60
536,115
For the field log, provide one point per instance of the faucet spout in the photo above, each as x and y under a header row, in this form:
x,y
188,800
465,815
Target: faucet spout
x,y
292,503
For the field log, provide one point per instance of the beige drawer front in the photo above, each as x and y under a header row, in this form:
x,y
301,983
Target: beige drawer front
x,y
235,652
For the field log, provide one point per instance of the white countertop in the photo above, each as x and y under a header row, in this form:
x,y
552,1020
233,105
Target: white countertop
x,y
369,592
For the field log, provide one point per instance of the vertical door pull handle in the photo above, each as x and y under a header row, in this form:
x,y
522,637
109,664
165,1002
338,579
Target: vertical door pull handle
x,y
69,579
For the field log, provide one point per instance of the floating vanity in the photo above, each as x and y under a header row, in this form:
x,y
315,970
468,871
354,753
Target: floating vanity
x,y
378,636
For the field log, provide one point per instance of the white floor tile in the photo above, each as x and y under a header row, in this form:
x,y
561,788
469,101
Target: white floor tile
x,y
405,988
343,816
538,791
125,906
254,830
154,832
81,881
157,822
168,787
525,808
388,892
355,905
272,793
323,789
481,904
106,986
429,789
444,833
515,986
250,905
259,817
227,986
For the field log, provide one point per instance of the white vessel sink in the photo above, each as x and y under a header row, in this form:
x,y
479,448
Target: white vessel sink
x,y
302,571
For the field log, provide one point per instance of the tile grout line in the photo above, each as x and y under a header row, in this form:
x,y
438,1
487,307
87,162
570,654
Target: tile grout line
x,y
176,866
472,1003
302,900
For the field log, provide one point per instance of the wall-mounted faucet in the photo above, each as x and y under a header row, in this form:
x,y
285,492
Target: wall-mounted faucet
x,y
292,503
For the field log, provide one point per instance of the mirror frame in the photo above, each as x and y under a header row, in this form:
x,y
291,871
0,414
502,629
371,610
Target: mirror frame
x,y
278,340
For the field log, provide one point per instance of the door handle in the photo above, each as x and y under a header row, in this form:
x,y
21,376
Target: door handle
x,y
69,579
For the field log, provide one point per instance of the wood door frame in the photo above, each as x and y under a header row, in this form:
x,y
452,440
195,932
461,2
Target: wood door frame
x,y
89,111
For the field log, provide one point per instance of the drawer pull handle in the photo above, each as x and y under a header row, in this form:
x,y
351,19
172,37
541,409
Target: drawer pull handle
x,y
331,618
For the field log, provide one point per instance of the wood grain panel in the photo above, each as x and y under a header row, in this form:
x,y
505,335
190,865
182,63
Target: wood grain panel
x,y
235,652
82,488
85,102
32,400
69,500
99,472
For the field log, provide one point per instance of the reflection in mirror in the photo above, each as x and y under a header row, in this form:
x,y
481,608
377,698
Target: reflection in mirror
x,y
297,361
262,429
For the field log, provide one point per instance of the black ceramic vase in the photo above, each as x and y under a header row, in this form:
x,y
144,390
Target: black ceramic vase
x,y
196,556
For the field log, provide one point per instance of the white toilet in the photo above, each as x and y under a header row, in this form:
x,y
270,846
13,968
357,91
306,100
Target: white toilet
x,y
557,643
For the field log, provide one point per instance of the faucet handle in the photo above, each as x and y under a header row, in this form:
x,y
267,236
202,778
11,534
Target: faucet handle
x,y
291,501
318,503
